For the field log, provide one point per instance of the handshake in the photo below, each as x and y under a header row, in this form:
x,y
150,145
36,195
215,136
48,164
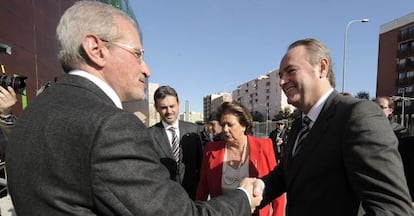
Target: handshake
x,y
254,188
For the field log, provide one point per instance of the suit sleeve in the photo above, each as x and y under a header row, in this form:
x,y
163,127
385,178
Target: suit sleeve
x,y
128,179
372,161
278,204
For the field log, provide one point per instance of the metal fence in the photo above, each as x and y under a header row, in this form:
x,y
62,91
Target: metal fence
x,y
263,129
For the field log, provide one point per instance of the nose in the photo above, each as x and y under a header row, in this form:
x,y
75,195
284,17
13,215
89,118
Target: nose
x,y
145,70
170,110
282,79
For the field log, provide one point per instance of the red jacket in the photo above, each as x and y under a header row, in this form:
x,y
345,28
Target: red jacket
x,y
261,161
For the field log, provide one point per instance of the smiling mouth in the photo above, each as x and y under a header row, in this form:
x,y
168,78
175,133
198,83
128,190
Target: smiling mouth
x,y
288,89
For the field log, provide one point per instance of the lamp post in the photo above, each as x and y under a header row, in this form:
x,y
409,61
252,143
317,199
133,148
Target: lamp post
x,y
345,40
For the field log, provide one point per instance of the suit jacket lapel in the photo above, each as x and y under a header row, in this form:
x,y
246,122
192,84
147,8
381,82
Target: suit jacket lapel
x,y
183,130
162,140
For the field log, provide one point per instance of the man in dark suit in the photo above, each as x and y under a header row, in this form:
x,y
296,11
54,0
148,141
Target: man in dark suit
x,y
342,154
74,151
278,137
186,169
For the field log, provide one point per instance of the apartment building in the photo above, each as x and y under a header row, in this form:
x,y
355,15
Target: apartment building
x,y
395,76
212,102
263,95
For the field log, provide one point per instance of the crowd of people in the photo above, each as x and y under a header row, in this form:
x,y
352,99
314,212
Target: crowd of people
x,y
75,151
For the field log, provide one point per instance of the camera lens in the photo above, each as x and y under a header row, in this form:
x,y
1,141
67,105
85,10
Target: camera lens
x,y
15,81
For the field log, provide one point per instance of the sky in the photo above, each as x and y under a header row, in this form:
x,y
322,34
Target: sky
x,y
201,47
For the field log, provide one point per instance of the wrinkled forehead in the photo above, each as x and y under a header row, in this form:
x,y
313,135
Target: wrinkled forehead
x,y
128,31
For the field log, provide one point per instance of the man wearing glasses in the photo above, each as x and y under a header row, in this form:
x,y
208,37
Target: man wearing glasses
x,y
75,151
387,106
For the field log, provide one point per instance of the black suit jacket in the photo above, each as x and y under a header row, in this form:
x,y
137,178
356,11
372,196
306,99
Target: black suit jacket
x,y
406,148
191,146
73,152
350,155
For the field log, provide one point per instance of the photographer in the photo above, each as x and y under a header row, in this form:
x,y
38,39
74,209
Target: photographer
x,y
8,98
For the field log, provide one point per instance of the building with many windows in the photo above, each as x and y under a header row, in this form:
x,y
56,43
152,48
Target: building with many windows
x,y
395,76
212,102
263,95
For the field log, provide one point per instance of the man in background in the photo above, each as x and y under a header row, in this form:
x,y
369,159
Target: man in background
x,y
183,157
387,106
216,128
278,137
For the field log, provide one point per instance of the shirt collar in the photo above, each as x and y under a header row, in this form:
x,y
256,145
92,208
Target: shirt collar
x,y
166,126
101,84
317,108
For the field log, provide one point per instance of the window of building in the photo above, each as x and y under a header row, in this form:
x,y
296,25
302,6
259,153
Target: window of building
x,y
401,76
409,89
410,60
410,74
404,33
411,30
401,63
403,47
400,90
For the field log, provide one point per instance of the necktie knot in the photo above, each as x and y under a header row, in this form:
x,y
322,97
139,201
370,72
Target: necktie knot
x,y
306,121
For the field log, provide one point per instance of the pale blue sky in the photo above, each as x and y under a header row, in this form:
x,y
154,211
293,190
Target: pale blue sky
x,y
202,47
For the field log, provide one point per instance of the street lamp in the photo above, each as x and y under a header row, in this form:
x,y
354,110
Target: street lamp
x,y
345,40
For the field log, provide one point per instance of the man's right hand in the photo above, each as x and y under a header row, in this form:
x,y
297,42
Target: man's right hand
x,y
255,191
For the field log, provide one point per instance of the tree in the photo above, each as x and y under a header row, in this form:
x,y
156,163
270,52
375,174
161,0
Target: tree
x,y
257,116
283,114
362,95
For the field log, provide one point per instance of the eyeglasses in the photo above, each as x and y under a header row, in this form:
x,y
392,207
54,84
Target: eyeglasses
x,y
138,53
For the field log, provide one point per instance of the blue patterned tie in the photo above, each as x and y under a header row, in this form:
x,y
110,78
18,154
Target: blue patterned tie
x,y
175,144
303,133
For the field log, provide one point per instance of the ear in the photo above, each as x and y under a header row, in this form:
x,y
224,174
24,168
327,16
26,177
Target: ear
x,y
324,66
95,49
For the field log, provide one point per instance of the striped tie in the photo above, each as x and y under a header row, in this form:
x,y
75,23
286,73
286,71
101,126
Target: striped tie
x,y
175,144
303,133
